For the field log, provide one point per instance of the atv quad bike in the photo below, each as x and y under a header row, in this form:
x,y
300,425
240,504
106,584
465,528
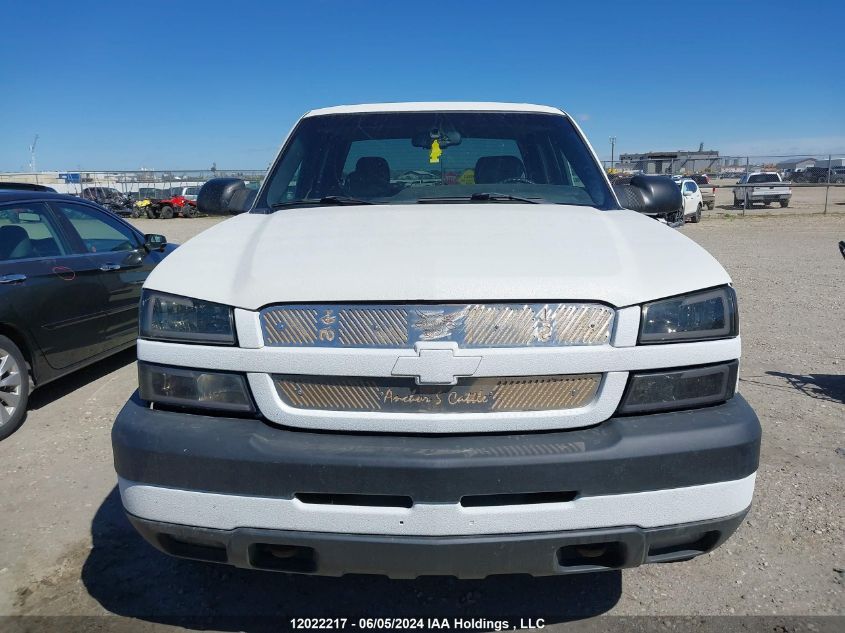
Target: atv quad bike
x,y
165,208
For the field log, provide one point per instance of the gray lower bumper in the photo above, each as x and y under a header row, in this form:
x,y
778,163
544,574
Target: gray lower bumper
x,y
538,554
249,457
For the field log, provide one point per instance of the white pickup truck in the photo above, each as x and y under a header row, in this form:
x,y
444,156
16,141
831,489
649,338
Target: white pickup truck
x,y
763,187
491,371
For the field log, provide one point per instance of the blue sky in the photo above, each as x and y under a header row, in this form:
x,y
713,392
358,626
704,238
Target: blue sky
x,y
179,85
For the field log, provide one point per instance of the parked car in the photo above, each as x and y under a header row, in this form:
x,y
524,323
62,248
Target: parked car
x,y
693,202
768,188
708,191
70,281
822,174
24,186
512,374
187,192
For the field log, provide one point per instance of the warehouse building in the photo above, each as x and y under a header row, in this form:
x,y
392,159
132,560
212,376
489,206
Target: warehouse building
x,y
672,162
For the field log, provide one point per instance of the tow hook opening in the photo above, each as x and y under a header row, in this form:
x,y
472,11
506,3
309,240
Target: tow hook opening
x,y
292,558
608,555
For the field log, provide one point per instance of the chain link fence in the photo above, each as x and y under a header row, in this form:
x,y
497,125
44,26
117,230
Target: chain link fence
x,y
733,185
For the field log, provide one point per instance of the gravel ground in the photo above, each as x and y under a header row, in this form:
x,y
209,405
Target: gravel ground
x,y
67,550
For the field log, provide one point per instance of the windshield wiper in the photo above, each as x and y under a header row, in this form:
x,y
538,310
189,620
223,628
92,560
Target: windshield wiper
x,y
482,197
325,200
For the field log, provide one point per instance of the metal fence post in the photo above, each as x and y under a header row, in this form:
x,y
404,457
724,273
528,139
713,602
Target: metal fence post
x,y
827,186
745,188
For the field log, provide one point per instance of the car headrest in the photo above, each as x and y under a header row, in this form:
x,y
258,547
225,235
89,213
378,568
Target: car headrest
x,y
14,242
490,169
371,177
373,168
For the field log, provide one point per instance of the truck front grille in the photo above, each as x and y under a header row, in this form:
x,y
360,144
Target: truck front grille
x,y
470,395
469,325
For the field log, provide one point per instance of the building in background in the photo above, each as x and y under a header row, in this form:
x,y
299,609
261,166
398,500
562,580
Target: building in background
x,y
672,162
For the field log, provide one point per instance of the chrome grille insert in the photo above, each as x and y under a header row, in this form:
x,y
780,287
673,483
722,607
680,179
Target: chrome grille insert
x,y
469,325
470,395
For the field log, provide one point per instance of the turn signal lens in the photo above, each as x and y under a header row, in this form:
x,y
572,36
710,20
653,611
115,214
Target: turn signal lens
x,y
194,388
679,388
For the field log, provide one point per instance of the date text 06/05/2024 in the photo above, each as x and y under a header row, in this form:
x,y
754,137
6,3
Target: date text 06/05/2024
x,y
466,624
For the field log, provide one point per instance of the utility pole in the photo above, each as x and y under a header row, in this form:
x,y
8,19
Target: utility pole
x,y
32,154
612,150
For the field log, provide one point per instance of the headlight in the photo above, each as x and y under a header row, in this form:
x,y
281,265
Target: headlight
x,y
194,388
698,316
679,388
173,318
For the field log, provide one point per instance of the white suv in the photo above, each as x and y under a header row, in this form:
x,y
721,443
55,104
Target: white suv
x,y
693,200
487,372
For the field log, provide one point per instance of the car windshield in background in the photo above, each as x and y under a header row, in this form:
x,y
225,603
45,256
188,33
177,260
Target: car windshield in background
x,y
763,178
431,157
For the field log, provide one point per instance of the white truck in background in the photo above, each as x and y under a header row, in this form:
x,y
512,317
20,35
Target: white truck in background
x,y
763,187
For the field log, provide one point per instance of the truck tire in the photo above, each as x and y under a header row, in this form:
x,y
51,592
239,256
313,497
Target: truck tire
x,y
710,206
166,212
14,392
821,179
784,204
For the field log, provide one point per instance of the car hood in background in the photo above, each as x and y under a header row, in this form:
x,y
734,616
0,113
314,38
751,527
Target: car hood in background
x,y
437,252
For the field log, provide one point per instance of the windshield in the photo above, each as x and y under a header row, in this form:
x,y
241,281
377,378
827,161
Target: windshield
x,y
405,158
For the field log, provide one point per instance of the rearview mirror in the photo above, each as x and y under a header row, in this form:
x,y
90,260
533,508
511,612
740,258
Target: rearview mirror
x,y
652,195
154,242
225,196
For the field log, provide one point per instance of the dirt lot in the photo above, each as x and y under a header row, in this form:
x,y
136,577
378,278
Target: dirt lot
x,y
66,548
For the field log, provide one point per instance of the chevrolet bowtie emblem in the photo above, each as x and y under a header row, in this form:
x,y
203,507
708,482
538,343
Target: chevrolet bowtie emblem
x,y
436,364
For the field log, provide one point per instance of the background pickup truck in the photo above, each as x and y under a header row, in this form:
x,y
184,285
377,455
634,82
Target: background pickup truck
x,y
771,189
708,191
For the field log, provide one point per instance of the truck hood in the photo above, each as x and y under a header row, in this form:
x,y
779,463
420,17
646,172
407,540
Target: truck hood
x,y
434,252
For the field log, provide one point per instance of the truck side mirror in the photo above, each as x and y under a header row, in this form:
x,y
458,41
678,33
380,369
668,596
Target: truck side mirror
x,y
652,195
224,196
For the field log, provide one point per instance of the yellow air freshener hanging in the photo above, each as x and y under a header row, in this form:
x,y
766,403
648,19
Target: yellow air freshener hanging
x,y
434,156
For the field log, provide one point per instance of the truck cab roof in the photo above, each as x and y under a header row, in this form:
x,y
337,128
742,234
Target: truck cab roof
x,y
435,106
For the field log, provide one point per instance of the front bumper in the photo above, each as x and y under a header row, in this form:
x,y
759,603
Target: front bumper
x,y
241,484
